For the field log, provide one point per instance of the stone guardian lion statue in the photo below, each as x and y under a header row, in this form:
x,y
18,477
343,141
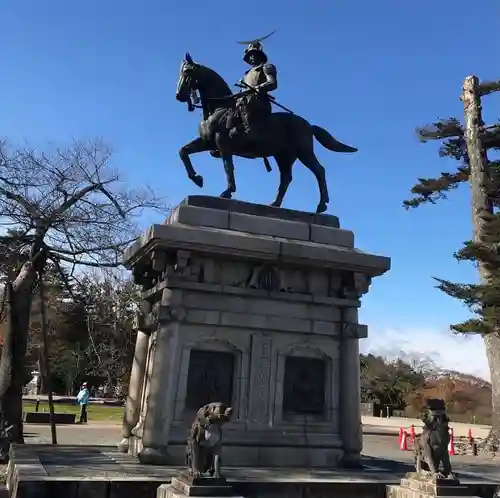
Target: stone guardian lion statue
x,y
431,448
205,440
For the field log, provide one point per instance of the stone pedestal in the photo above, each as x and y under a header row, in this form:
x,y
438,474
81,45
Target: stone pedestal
x,y
256,307
414,485
185,485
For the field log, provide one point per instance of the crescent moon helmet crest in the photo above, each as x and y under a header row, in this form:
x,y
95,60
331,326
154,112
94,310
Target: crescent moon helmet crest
x,y
255,46
257,40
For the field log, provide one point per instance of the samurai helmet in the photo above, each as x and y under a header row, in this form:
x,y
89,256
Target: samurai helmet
x,y
255,47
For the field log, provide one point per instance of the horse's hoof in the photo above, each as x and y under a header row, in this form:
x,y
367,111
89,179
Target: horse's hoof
x,y
197,180
275,204
322,207
227,194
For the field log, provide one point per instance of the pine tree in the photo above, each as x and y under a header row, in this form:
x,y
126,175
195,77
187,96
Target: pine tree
x,y
469,145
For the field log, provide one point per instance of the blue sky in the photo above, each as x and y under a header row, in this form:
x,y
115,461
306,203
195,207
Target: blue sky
x,y
369,72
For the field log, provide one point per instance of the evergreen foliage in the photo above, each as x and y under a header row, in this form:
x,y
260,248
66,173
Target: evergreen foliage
x,y
474,147
483,300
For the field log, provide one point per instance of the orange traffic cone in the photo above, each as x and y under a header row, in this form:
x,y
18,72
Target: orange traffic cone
x,y
412,433
469,436
403,445
400,437
451,444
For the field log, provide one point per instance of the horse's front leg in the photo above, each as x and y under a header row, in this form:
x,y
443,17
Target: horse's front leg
x,y
193,147
224,147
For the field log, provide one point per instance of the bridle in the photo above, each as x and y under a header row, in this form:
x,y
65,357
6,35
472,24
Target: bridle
x,y
194,99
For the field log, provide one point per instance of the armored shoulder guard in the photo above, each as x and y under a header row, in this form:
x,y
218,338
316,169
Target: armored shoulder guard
x,y
269,69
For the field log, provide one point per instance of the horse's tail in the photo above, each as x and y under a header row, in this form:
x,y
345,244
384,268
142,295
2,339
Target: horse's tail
x,y
330,143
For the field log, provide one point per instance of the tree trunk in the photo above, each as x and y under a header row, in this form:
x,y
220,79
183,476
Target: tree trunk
x,y
482,208
492,343
12,362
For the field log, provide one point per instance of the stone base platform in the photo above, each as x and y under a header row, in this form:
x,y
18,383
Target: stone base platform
x,y
46,471
414,485
185,485
256,307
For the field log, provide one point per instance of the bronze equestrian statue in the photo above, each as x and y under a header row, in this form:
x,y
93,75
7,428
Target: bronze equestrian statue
x,y
242,124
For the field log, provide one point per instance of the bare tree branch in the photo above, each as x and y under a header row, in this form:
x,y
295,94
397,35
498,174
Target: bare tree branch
x,y
71,198
68,207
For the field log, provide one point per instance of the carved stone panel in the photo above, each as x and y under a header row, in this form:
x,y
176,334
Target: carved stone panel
x,y
267,278
335,284
234,273
210,378
317,282
260,379
354,284
296,280
186,266
304,386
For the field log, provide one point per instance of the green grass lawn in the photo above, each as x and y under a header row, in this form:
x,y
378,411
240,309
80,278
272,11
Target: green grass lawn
x,y
96,413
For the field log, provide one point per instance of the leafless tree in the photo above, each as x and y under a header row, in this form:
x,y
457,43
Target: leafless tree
x,y
67,207
111,302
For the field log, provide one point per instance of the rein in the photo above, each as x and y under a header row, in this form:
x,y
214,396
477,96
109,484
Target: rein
x,y
192,103
193,100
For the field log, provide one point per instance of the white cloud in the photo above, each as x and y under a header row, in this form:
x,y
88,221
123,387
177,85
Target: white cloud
x,y
461,353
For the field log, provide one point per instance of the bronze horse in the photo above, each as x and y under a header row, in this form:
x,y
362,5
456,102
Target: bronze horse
x,y
288,136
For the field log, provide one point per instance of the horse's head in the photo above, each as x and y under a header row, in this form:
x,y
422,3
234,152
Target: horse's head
x,y
187,79
195,78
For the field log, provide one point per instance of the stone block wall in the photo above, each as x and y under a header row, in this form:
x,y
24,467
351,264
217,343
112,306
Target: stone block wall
x,y
257,307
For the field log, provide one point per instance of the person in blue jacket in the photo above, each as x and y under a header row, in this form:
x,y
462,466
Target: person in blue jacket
x,y
83,399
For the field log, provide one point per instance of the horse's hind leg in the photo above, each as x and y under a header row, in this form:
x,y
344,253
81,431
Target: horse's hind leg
x,y
285,162
227,158
193,147
308,158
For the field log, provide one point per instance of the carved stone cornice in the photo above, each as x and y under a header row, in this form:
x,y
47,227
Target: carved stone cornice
x,y
350,330
355,285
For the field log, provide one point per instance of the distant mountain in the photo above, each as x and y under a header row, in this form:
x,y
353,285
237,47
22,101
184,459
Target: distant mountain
x,y
427,364
468,397
410,380
472,380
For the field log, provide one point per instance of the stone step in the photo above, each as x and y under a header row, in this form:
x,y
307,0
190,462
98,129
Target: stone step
x,y
400,492
447,488
217,203
305,230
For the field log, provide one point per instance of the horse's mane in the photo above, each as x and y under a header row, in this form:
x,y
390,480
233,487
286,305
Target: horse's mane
x,y
218,82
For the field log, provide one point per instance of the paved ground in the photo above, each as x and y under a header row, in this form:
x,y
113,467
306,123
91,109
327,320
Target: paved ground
x,y
379,443
91,434
394,423
391,424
